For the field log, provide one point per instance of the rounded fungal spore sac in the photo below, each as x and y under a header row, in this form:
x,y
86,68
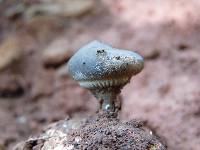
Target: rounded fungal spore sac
x,y
104,70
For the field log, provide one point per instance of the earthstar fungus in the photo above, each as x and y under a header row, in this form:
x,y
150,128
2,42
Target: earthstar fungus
x,y
104,70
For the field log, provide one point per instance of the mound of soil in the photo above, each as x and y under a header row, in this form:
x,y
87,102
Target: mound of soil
x,y
101,131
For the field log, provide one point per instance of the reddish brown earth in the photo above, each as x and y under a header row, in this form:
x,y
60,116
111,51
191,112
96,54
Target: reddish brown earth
x,y
166,95
101,131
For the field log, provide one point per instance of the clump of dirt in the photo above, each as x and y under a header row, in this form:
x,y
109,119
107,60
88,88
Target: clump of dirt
x,y
101,131
105,131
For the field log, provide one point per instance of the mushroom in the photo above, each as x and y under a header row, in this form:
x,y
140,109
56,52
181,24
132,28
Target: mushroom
x,y
104,70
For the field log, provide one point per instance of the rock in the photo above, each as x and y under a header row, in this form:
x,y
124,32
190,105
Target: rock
x,y
15,11
10,50
64,8
43,28
152,54
57,53
54,133
62,71
101,131
11,87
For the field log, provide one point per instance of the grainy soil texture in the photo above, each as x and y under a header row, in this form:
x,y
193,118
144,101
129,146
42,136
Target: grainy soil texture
x,y
37,40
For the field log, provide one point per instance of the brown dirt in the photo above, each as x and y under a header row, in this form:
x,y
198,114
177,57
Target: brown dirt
x,y
107,132
165,95
101,131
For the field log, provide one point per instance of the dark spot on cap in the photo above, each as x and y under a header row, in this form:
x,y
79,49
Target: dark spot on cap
x,y
118,57
100,51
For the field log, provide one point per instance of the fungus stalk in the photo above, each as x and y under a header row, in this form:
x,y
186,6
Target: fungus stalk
x,y
108,98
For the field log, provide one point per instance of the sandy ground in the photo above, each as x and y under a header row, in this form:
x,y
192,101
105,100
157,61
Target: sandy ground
x,y
165,95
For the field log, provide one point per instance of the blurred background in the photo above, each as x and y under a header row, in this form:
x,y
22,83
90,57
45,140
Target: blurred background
x,y
37,38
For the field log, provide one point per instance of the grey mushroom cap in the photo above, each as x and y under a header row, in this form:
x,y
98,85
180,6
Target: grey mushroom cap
x,y
100,65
